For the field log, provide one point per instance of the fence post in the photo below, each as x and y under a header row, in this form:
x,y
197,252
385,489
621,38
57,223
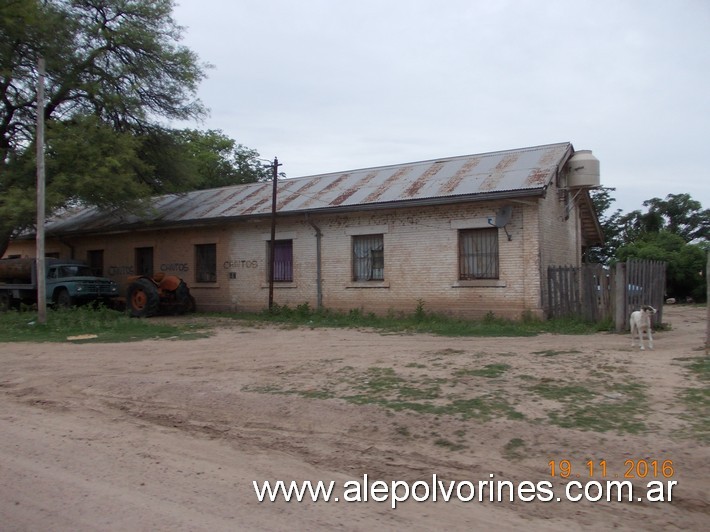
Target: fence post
x,y
620,297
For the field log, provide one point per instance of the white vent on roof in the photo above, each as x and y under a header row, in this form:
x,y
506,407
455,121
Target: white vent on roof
x,y
583,170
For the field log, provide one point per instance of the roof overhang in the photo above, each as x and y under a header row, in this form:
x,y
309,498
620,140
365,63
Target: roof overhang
x,y
151,225
592,232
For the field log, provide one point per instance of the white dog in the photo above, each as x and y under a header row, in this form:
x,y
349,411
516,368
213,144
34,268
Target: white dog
x,y
640,321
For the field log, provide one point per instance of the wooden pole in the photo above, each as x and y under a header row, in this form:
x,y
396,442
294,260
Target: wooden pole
x,y
40,252
620,297
707,305
272,256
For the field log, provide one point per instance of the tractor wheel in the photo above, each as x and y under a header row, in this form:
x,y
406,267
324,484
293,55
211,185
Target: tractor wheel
x,y
143,299
192,305
183,300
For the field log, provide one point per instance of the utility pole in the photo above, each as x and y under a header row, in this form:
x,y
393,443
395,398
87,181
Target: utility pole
x,y
41,270
272,255
707,304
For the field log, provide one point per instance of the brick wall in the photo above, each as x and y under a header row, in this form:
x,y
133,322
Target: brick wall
x,y
560,232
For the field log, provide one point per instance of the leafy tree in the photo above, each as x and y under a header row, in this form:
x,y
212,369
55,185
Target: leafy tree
x,y
216,160
610,224
115,69
675,230
686,262
679,214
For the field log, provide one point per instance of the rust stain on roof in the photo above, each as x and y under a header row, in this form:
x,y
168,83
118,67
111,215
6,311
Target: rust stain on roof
x,y
387,183
423,180
212,203
451,184
538,175
525,169
353,189
492,180
257,191
287,193
319,197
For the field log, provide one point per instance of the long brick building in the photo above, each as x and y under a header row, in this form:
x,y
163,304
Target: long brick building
x,y
464,235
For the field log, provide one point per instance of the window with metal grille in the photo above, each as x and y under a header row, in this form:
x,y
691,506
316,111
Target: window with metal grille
x,y
206,263
283,260
368,258
478,254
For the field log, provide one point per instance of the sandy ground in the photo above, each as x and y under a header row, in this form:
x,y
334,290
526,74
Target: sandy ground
x,y
170,435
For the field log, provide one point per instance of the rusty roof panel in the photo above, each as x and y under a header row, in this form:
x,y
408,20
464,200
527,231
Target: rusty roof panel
x,y
526,169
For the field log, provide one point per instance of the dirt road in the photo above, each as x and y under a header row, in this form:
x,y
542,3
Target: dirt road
x,y
170,435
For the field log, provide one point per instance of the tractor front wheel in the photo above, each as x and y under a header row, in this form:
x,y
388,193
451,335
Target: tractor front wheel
x,y
143,299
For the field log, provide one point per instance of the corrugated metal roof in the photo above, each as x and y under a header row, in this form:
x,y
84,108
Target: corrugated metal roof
x,y
512,171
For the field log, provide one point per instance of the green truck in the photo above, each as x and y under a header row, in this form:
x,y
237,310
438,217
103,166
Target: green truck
x,y
69,282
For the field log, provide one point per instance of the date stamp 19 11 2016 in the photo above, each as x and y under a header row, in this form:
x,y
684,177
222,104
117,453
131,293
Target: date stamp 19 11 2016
x,y
630,469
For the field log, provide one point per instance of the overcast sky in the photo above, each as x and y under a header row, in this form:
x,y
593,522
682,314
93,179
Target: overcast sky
x,y
335,85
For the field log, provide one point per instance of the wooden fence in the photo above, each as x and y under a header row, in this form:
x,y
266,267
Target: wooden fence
x,y
642,282
597,293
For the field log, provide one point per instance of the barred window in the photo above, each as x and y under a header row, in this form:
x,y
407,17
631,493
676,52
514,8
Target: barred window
x,y
283,260
478,254
206,263
368,258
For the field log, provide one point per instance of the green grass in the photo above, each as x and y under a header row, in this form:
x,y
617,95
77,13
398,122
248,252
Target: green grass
x,y
621,408
490,371
443,442
514,449
554,353
384,387
697,400
700,366
111,326
105,324
418,321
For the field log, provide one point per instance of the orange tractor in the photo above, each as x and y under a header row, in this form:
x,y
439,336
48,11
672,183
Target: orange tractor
x,y
160,294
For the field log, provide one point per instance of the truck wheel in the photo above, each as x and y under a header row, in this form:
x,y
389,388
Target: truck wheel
x,y
62,298
5,301
143,298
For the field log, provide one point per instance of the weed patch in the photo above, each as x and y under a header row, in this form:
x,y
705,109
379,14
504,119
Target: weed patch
x,y
553,353
91,325
490,371
697,400
418,321
514,449
442,442
621,409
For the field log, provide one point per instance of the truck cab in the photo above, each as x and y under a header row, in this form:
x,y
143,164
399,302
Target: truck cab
x,y
72,284
69,282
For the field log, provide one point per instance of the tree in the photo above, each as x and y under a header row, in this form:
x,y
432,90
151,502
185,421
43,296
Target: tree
x,y
675,230
686,262
679,214
115,68
217,161
611,228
